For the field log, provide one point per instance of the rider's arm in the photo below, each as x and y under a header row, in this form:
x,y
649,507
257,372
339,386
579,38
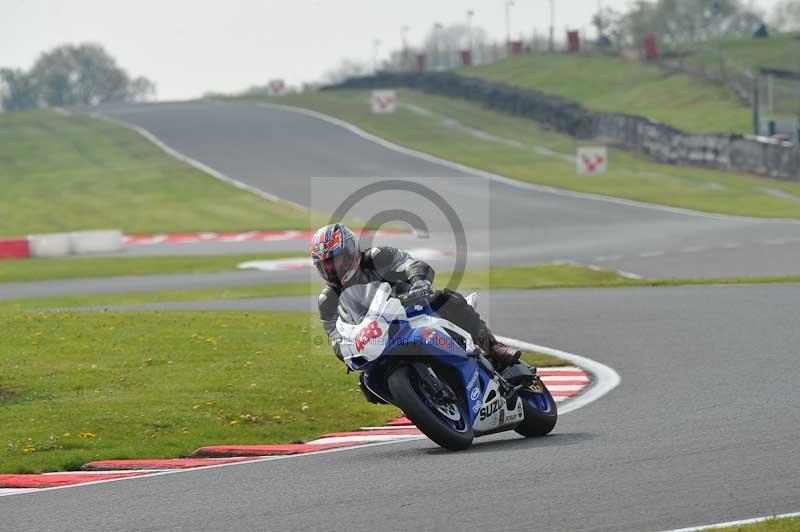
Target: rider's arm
x,y
396,265
328,314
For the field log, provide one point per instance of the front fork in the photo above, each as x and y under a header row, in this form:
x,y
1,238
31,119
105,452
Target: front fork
x,y
522,377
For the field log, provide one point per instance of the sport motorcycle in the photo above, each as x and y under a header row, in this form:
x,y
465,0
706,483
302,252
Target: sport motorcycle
x,y
431,369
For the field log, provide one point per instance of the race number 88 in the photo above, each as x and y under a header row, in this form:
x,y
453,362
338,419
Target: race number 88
x,y
370,332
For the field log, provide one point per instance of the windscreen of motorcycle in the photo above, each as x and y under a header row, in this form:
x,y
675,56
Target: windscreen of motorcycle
x,y
354,301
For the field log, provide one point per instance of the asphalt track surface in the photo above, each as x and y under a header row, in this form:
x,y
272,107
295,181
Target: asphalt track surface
x,y
702,429
317,164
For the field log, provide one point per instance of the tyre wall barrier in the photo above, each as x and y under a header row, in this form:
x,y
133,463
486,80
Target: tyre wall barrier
x,y
755,155
14,248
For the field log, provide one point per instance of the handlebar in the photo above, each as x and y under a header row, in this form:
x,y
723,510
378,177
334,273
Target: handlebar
x,y
406,300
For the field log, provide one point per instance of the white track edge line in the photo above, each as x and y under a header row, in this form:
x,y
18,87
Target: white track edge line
x,y
735,523
510,181
606,380
194,162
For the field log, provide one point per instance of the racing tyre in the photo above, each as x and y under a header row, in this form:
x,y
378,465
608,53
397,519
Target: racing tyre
x,y
447,425
540,411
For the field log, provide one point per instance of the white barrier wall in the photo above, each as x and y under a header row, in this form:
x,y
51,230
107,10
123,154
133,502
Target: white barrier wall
x,y
77,243
50,245
82,242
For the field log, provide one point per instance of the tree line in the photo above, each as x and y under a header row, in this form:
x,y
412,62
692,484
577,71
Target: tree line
x,y
684,22
83,74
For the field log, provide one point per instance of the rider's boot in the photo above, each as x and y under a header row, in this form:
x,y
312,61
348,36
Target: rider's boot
x,y
503,354
498,352
453,306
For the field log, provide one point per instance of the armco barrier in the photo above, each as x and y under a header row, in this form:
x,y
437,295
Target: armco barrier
x,y
82,242
16,248
660,141
50,245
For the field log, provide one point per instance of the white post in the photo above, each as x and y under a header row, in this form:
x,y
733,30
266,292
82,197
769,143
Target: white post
x,y
437,43
406,64
770,94
509,3
469,29
375,44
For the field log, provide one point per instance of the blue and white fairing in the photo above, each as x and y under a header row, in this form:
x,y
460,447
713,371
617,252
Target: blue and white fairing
x,y
368,343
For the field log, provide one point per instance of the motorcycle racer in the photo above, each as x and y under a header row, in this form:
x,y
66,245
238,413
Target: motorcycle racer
x,y
346,268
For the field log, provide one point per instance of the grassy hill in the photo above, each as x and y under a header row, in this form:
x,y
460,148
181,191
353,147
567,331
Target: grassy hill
x,y
61,173
607,84
603,83
778,51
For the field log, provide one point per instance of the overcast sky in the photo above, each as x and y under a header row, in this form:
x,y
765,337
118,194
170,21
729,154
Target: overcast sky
x,y
191,46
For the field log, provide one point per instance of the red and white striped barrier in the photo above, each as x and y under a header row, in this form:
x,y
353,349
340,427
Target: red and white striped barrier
x,y
51,245
249,236
86,242
192,238
564,382
14,248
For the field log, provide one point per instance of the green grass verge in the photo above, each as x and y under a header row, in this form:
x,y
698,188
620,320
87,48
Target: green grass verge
x,y
90,386
630,175
62,173
602,83
41,269
87,386
540,360
535,277
538,276
164,296
791,524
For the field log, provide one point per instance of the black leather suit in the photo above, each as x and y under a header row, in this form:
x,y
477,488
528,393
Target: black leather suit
x,y
398,268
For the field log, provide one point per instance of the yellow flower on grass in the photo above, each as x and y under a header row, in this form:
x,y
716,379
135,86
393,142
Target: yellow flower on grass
x,y
66,435
234,422
276,418
88,435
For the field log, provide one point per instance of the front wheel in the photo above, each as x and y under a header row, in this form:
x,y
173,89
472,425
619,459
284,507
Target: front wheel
x,y
539,408
445,423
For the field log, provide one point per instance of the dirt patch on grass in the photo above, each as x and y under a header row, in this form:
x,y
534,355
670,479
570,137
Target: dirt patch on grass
x,y
7,394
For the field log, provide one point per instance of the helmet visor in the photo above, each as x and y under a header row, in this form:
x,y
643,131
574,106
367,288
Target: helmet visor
x,y
339,268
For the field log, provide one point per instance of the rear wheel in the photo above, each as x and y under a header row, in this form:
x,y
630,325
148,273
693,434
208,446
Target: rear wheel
x,y
540,410
446,423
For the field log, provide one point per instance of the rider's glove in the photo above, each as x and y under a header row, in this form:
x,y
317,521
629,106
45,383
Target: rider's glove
x,y
420,288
